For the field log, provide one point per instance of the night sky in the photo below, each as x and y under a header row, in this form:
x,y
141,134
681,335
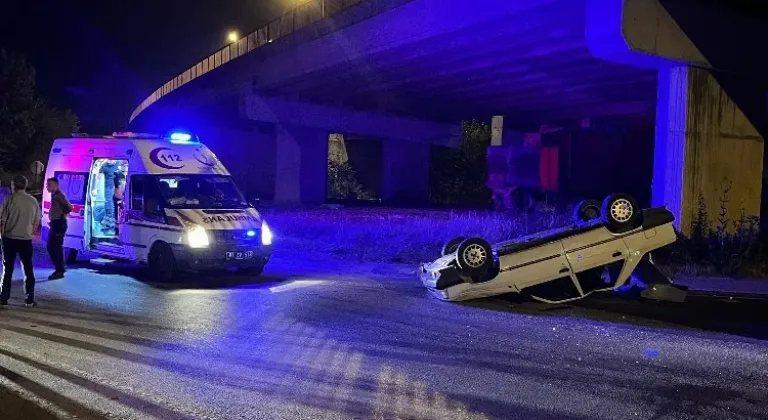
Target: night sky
x,y
102,57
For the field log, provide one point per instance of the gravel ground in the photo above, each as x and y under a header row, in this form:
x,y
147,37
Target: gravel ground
x,y
323,339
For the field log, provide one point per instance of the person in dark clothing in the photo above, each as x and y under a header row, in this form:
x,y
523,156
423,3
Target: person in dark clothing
x,y
60,208
109,223
117,198
19,219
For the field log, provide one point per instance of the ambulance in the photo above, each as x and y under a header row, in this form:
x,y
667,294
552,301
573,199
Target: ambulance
x,y
164,201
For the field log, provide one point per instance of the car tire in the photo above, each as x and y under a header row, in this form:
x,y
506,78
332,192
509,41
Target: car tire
x,y
621,212
70,256
162,263
474,258
451,246
586,211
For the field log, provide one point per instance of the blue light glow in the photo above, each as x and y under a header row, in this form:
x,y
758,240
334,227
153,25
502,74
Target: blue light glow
x,y
251,233
181,138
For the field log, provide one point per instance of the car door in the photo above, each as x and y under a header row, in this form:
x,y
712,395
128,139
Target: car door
x,y
591,253
544,273
74,186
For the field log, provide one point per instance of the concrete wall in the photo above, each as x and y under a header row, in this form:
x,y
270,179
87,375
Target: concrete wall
x,y
301,164
706,150
249,154
406,173
288,164
301,136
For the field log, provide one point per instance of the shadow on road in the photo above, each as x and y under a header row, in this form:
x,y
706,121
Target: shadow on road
x,y
188,280
13,407
745,316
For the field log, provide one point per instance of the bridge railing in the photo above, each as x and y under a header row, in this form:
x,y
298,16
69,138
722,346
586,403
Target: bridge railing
x,y
305,13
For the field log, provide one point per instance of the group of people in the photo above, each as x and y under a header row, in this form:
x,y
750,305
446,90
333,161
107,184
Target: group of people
x,y
20,217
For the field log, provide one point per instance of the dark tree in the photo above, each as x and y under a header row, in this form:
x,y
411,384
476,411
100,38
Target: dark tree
x,y
28,125
459,175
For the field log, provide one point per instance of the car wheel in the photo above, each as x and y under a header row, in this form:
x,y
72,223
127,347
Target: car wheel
x,y
451,246
70,256
586,210
620,211
474,257
162,263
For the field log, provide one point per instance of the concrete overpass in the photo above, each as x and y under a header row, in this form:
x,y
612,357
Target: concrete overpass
x,y
408,71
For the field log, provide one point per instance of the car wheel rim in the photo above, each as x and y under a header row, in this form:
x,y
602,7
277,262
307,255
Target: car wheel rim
x,y
475,255
621,210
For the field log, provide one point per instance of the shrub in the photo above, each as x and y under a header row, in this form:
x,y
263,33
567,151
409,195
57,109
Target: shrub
x,y
729,248
389,235
414,236
459,175
343,184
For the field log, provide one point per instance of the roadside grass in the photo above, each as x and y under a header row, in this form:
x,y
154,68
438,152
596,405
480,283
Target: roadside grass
x,y
399,236
414,236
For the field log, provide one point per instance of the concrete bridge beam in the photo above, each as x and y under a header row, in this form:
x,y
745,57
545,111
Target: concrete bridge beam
x,y
639,33
301,164
708,155
340,120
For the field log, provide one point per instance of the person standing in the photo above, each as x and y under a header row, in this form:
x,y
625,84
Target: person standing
x,y
19,218
60,208
109,223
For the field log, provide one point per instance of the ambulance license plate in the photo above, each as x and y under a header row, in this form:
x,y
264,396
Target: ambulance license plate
x,y
239,255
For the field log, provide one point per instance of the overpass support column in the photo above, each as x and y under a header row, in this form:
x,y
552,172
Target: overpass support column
x,y
708,155
405,179
301,164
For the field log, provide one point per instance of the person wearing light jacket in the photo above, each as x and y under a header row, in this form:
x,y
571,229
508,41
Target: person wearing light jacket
x,y
20,217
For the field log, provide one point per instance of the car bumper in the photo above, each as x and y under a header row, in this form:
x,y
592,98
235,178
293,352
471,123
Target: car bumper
x,y
443,280
221,258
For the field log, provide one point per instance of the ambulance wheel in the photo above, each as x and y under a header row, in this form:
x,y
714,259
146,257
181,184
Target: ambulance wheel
x,y
162,263
252,271
474,257
70,256
621,212
585,211
451,246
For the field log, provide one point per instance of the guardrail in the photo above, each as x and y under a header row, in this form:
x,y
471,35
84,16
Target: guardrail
x,y
303,14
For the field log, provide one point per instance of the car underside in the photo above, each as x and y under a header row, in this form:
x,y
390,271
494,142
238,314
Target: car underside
x,y
596,253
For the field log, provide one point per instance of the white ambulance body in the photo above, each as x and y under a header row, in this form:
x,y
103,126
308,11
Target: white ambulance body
x,y
167,202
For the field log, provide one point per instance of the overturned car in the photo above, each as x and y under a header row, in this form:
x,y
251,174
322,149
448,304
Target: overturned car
x,y
607,244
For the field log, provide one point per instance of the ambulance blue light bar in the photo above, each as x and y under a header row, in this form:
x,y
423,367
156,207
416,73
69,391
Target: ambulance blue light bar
x,y
180,137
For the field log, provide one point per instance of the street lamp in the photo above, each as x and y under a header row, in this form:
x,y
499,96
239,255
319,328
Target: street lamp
x,y
232,36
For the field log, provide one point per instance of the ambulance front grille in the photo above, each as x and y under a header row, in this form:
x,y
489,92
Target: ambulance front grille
x,y
237,236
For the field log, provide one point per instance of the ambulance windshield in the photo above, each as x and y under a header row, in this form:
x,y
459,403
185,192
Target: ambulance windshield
x,y
200,192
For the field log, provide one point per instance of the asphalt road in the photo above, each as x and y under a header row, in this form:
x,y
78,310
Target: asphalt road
x,y
320,340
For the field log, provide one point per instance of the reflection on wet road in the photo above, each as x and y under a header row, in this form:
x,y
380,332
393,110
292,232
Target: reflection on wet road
x,y
316,340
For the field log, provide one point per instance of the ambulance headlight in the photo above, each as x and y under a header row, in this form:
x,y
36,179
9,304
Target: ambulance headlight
x,y
197,237
266,234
